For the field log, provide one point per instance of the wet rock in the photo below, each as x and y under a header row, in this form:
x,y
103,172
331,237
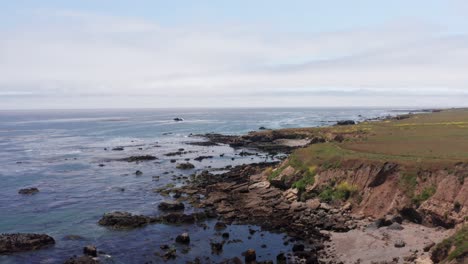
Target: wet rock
x,y
81,260
200,158
90,250
281,259
220,226
118,149
171,206
216,247
225,235
250,256
123,220
178,119
345,122
173,160
298,247
139,158
28,191
185,166
10,243
399,243
183,238
262,128
170,254
138,173
234,260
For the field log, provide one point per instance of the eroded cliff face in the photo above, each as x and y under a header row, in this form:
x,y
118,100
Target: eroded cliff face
x,y
432,197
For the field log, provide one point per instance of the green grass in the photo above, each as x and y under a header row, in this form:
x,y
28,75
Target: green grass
x,y
459,241
425,195
408,182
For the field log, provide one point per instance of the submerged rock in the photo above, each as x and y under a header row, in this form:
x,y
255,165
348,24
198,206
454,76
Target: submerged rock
x,y
183,238
250,256
10,243
171,206
28,191
139,158
123,220
90,250
185,166
118,149
81,260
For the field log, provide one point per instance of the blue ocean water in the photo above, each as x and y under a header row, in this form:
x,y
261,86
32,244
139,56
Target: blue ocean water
x,y
59,152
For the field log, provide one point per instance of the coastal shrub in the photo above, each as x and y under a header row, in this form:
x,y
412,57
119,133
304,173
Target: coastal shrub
x,y
342,192
308,178
345,190
425,194
276,173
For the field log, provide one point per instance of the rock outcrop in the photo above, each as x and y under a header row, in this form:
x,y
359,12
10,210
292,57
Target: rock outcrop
x,y
11,243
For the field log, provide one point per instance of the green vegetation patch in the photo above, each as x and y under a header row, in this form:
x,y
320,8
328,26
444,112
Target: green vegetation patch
x,y
341,192
459,241
424,195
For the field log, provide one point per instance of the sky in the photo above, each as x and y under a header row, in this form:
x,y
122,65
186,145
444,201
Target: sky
x,y
57,54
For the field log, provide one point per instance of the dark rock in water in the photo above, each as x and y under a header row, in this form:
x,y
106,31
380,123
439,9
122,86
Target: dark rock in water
x,y
399,244
118,149
250,256
200,158
281,258
234,260
173,160
298,247
178,119
138,173
225,235
139,158
28,191
101,165
170,254
185,166
183,238
179,218
171,206
262,128
202,143
81,260
220,226
73,237
345,122
123,220
90,250
10,243
216,247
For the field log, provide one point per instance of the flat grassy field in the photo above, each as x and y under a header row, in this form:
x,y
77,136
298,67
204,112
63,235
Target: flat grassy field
x,y
438,138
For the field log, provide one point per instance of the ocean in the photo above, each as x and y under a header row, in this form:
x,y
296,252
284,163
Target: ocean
x,y
61,152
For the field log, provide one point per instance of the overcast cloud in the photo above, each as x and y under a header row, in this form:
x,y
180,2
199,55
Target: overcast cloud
x,y
71,59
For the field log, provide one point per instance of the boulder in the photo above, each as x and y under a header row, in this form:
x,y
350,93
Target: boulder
x,y
183,238
123,220
216,247
171,206
10,243
28,191
395,226
399,243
